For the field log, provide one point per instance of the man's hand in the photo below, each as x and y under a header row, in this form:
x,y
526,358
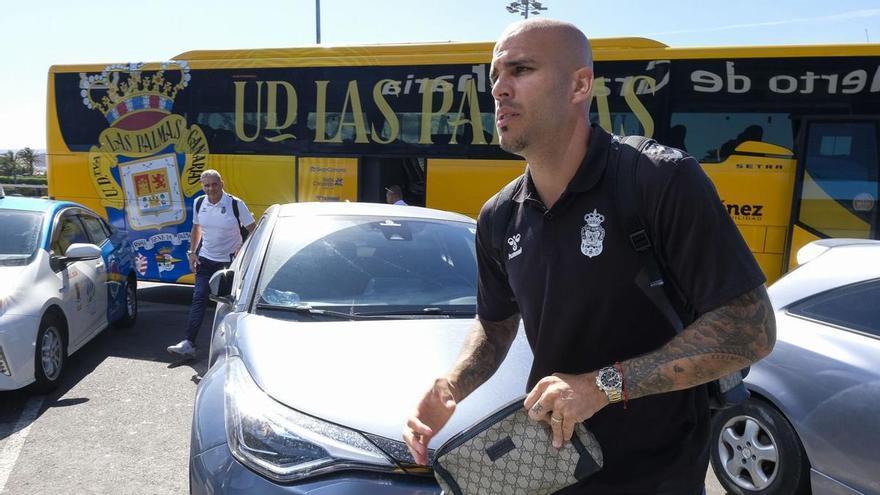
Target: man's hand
x,y
563,401
193,261
432,413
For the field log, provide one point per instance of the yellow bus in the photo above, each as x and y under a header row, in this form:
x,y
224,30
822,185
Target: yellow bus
x,y
789,135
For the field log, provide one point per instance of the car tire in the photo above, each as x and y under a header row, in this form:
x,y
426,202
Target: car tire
x,y
129,316
755,451
50,355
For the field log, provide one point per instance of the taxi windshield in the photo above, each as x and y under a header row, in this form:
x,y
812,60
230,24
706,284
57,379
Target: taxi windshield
x,y
21,234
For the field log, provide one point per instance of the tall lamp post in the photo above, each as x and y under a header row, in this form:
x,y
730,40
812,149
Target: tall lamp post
x,y
318,22
525,7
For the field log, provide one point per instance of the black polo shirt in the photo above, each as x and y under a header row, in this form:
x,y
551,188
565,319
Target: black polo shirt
x,y
570,271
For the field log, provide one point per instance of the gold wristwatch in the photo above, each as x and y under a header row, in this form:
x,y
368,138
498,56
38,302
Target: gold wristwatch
x,y
610,381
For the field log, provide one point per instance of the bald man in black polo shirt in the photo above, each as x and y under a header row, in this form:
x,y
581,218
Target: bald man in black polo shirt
x,y
604,353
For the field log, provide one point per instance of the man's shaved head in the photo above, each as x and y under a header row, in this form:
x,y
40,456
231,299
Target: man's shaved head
x,y
574,52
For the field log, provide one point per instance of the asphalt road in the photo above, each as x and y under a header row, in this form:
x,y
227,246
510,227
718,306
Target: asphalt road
x,y
120,421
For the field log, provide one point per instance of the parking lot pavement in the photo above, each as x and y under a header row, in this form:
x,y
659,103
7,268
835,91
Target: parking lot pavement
x,y
120,421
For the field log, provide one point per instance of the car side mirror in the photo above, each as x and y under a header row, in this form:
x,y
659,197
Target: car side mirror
x,y
221,286
80,252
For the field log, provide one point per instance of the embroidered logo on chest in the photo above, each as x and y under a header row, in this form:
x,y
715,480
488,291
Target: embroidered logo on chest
x,y
515,248
592,234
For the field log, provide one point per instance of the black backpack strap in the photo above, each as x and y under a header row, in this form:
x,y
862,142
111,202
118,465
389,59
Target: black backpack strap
x,y
235,209
196,205
630,153
627,201
244,232
502,210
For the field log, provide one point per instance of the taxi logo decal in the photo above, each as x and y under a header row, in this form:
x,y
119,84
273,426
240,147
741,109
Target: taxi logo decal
x,y
592,234
515,248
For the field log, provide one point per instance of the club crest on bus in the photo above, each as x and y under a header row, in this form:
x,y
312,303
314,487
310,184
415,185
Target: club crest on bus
x,y
146,164
592,234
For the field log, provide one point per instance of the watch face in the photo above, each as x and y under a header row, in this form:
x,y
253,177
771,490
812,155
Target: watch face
x,y
610,379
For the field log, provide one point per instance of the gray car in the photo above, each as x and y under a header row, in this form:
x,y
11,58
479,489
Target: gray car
x,y
813,422
331,323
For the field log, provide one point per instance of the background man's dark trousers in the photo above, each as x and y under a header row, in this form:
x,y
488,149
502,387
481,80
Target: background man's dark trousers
x,y
201,291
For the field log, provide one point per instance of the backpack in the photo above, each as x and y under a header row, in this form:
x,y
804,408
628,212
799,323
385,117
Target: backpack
x,y
241,230
625,156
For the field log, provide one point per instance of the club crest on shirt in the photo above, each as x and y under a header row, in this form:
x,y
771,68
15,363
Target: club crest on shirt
x,y
592,234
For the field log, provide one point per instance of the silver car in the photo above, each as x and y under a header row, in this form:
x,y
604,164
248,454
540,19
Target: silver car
x,y
331,323
813,422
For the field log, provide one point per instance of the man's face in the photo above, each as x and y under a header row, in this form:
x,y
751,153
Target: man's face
x,y
530,89
213,187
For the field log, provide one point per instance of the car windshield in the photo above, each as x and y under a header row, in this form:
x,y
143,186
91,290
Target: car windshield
x,y
21,234
371,265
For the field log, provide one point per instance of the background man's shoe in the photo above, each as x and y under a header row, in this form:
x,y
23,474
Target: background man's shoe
x,y
184,348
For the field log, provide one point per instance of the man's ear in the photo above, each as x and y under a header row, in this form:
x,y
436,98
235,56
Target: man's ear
x,y
583,85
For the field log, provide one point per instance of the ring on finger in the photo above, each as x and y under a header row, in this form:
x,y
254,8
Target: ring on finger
x,y
555,419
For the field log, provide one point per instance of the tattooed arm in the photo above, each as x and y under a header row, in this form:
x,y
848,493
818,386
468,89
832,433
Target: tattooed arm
x,y
482,354
718,343
721,341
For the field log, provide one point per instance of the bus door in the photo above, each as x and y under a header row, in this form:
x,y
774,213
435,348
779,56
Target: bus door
x,y
403,174
837,188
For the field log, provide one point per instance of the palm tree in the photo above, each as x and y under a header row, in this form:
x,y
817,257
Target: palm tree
x,y
8,164
26,158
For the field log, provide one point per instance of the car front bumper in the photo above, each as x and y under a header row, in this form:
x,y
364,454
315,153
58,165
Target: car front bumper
x,y
18,335
216,471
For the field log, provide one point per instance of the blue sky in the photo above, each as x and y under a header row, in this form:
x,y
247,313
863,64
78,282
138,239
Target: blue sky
x,y
40,33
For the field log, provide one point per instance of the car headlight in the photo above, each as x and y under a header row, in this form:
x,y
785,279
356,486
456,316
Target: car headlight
x,y
284,444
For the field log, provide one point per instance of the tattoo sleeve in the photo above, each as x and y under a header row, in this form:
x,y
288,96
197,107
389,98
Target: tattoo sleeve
x,y
482,354
721,341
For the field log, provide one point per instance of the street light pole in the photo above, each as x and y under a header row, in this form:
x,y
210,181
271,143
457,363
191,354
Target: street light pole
x,y
525,7
318,21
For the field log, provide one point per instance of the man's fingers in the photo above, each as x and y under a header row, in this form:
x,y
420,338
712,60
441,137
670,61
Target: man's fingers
x,y
567,429
417,445
538,412
556,425
418,427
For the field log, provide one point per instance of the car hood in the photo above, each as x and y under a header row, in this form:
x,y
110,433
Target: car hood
x,y
370,375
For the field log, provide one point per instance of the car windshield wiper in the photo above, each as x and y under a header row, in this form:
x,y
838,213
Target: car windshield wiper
x,y
307,309
424,312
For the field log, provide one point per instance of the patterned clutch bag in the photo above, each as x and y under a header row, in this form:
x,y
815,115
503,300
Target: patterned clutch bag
x,y
506,453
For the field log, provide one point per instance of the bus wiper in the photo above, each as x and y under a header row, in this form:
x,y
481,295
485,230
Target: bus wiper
x,y
305,308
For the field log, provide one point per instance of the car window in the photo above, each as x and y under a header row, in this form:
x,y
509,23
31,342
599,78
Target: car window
x,y
68,231
852,306
370,262
250,246
21,235
94,228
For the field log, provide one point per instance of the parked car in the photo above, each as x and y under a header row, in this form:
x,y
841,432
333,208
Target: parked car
x,y
331,323
66,275
813,422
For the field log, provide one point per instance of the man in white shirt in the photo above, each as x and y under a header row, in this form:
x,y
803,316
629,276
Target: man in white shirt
x,y
216,235
394,195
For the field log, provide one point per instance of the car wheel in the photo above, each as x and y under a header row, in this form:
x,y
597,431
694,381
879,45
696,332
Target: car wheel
x,y
131,305
50,356
756,451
